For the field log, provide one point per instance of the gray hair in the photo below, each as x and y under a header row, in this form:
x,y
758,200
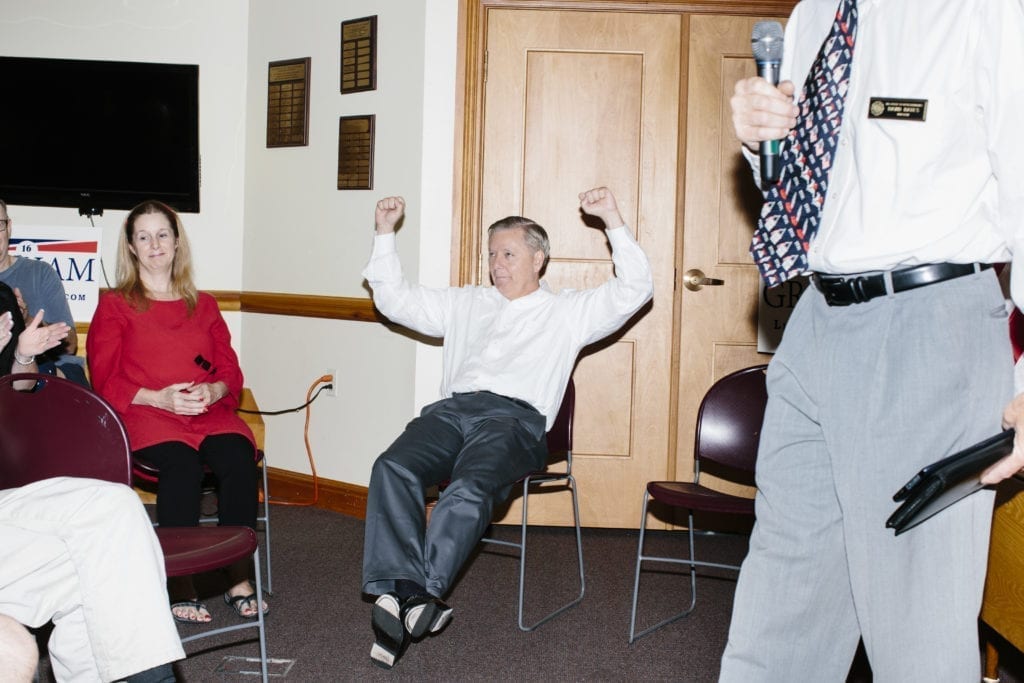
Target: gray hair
x,y
536,237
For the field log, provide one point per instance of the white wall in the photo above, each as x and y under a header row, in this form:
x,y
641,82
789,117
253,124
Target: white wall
x,y
211,34
302,235
272,219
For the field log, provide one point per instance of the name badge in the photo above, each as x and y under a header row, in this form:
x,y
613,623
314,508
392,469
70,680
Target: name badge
x,y
893,108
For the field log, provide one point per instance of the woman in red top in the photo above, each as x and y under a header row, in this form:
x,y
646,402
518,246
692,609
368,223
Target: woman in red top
x,y
160,353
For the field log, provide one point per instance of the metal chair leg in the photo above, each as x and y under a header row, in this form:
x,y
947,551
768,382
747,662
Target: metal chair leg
x,y
640,557
521,545
266,525
571,481
260,623
261,618
636,577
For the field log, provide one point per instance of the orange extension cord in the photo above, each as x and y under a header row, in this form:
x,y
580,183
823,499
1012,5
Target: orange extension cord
x,y
323,379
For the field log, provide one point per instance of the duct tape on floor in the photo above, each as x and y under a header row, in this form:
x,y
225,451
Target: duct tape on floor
x,y
250,666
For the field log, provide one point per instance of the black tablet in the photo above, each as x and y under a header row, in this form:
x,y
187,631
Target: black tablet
x,y
944,482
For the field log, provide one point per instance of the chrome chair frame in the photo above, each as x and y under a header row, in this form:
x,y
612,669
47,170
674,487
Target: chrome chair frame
x,y
678,494
559,440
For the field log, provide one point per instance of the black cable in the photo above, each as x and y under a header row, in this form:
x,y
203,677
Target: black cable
x,y
286,410
103,268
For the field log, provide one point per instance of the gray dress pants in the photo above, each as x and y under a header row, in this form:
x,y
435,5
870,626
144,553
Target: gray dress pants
x,y
859,399
481,443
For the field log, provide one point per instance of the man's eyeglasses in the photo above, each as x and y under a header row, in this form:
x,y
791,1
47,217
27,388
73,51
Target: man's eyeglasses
x,y
3,224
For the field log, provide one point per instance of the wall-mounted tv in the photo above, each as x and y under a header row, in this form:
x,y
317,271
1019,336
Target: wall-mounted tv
x,y
99,134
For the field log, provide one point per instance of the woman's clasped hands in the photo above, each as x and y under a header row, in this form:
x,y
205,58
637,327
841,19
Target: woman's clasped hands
x,y
189,398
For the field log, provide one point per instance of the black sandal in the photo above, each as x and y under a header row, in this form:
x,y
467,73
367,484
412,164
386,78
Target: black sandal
x,y
244,602
194,604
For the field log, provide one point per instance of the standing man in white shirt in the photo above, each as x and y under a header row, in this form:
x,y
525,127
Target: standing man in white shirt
x,y
508,353
899,353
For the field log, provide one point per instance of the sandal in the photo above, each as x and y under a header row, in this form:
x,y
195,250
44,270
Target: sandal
x,y
191,604
242,603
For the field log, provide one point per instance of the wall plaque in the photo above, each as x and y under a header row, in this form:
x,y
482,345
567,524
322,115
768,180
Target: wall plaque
x,y
355,152
359,55
288,103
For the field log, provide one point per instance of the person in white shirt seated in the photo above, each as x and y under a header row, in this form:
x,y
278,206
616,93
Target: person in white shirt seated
x,y
509,351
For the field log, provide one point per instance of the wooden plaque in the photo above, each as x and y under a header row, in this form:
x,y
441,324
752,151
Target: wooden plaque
x,y
288,103
359,55
355,152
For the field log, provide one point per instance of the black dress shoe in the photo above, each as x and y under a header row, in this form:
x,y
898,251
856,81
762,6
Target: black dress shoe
x,y
424,614
390,636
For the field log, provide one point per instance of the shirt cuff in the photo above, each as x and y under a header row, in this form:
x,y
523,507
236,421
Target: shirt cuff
x,y
617,234
384,244
753,158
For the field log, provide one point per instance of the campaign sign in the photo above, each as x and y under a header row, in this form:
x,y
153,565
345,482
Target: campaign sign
x,y
74,252
775,305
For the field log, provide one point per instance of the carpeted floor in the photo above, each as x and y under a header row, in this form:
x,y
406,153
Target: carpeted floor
x,y
320,621
319,624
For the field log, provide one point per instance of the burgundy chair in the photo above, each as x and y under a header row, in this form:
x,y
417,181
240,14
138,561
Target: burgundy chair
x,y
560,448
147,472
728,431
90,441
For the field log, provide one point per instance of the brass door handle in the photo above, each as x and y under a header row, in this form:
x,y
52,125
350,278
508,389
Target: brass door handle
x,y
695,279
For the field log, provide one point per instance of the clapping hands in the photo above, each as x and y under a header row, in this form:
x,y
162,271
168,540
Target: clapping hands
x,y
40,337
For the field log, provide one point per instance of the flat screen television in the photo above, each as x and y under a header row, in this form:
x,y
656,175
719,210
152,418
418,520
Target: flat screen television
x,y
99,134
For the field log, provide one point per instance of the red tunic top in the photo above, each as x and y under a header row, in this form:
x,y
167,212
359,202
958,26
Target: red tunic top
x,y
129,349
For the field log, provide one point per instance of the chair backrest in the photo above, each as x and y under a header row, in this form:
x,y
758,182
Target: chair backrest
x,y
729,422
59,429
560,434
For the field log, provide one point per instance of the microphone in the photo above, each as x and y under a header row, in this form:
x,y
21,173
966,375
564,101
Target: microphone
x,y
766,44
205,365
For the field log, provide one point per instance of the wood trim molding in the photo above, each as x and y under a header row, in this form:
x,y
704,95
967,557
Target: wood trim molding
x,y
311,306
227,300
300,305
336,496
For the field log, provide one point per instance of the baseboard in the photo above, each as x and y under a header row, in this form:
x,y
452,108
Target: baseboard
x,y
337,496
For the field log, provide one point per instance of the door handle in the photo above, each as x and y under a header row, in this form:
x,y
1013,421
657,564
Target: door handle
x,y
695,279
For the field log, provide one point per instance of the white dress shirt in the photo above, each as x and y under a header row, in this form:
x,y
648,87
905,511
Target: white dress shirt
x,y
523,348
949,188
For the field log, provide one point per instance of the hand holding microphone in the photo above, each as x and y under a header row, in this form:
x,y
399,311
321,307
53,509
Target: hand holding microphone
x,y
766,43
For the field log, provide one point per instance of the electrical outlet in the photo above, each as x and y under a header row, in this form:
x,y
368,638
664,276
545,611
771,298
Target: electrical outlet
x,y
329,391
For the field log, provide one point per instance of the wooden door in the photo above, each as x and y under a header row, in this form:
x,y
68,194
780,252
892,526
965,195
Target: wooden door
x,y
574,100
718,324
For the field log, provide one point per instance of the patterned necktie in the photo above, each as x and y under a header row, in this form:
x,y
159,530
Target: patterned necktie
x,y
792,207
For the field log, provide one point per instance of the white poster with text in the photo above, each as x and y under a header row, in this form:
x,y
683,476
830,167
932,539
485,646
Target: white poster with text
x,y
74,252
775,305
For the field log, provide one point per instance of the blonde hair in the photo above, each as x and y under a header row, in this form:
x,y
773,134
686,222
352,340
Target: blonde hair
x,y
129,283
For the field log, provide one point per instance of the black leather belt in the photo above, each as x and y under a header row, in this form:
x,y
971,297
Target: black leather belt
x,y
843,290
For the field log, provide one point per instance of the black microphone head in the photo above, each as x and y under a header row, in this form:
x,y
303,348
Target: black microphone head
x,y
766,41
